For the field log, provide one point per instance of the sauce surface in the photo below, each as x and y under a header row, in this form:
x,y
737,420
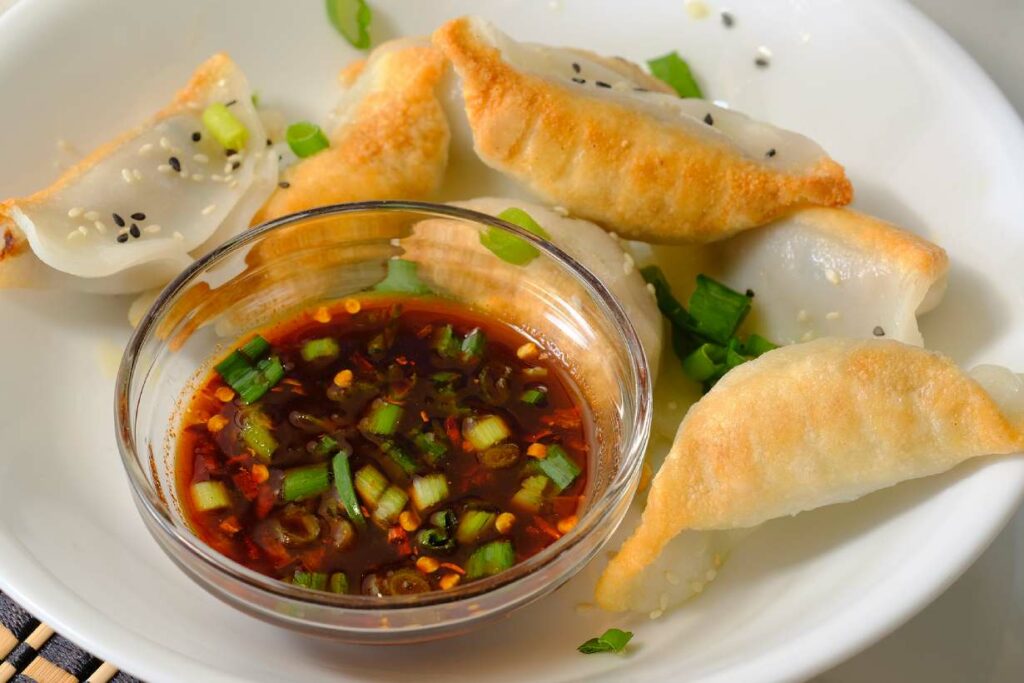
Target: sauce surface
x,y
398,445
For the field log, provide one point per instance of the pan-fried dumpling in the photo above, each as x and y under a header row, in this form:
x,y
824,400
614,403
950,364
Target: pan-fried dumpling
x,y
588,134
133,213
390,139
846,417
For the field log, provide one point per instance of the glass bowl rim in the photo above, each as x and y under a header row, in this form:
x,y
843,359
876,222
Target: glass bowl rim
x,y
596,517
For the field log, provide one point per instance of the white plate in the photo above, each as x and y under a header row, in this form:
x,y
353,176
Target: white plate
x,y
927,139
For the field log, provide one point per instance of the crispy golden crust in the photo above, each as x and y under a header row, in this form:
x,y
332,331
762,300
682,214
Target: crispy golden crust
x,y
805,426
644,178
393,145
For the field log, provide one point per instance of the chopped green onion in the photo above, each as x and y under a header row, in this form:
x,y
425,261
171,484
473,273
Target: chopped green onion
x,y
667,303
756,345
210,495
428,491
325,446
403,278
474,525
488,560
352,19
444,520
233,368
338,583
559,467
342,470
704,363
382,419
717,310
390,506
255,349
225,127
305,482
315,349
370,484
248,372
530,496
432,447
435,540
485,431
315,580
537,396
512,248
306,139
400,457
446,377
447,346
256,434
674,70
473,346
735,354
612,640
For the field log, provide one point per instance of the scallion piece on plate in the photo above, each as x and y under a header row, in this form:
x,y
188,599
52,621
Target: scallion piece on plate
x,y
256,434
306,139
512,248
432,447
472,349
530,496
535,396
428,491
484,431
559,467
370,484
316,349
474,525
258,380
489,559
667,303
717,310
382,419
401,457
305,482
352,19
338,583
402,277
612,640
342,471
390,505
674,70
756,345
225,127
704,362
210,495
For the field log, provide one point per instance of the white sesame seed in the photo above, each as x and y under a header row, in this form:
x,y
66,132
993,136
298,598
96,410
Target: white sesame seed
x,y
82,230
222,82
808,336
183,173
652,290
696,586
198,177
217,178
832,276
152,229
672,578
164,168
146,148
627,263
137,174
100,227
233,184
656,614
74,213
832,315
560,210
73,234
92,215
227,167
177,235
165,144
802,316
764,52
201,158
210,209
127,175
122,231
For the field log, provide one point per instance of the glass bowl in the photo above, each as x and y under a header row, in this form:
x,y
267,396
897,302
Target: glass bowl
x,y
297,262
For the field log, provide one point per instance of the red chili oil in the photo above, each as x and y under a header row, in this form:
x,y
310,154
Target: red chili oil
x,y
422,355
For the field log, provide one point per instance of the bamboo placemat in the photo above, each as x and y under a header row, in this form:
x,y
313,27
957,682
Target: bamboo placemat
x,y
31,652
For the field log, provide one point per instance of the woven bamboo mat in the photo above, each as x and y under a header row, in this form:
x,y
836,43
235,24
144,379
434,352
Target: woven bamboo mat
x,y
31,652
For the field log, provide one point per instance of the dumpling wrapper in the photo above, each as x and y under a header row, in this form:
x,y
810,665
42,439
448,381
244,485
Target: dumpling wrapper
x,y
390,137
846,417
66,236
642,163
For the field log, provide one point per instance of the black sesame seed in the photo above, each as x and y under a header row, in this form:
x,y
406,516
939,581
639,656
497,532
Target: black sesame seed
x,y
229,152
728,20
235,165
878,331
761,62
770,153
575,67
134,231
138,216
118,220
601,84
122,238
750,293
579,80
284,184
228,104
175,164
269,142
197,136
641,89
280,157
708,120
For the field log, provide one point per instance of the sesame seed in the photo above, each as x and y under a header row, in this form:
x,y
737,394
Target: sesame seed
x,y
832,315
728,20
878,331
217,178
83,231
134,231
152,229
802,316
177,235
183,173
696,586
146,148
175,164
269,142
137,174
165,144
118,220
832,276
138,216
92,215
235,165
227,167
284,184
201,158
627,263
230,152
230,103
641,90
652,290
602,84
197,136
210,209
101,228
74,213
198,177
164,168
770,153
656,614
750,294
708,120
122,237
560,210
122,231
581,81
761,63
127,175
73,234
575,67
233,184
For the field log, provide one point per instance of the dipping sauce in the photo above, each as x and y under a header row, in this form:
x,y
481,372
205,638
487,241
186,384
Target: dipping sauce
x,y
386,445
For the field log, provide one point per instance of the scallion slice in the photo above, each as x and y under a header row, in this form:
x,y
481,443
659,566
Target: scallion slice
x,y
256,434
338,583
559,467
370,484
446,344
530,496
512,248
305,482
667,303
210,495
756,345
326,445
432,447
612,640
306,139
474,525
314,580
382,419
403,278
316,349
256,349
401,457
535,396
484,431
444,520
342,470
352,19
674,70
428,491
472,349
704,362
225,127
717,310
390,505
489,559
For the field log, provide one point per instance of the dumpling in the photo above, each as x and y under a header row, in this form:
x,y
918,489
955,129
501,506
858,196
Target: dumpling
x,y
133,213
649,165
390,139
844,418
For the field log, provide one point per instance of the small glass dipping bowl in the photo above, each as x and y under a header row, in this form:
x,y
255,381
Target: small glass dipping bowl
x,y
298,262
